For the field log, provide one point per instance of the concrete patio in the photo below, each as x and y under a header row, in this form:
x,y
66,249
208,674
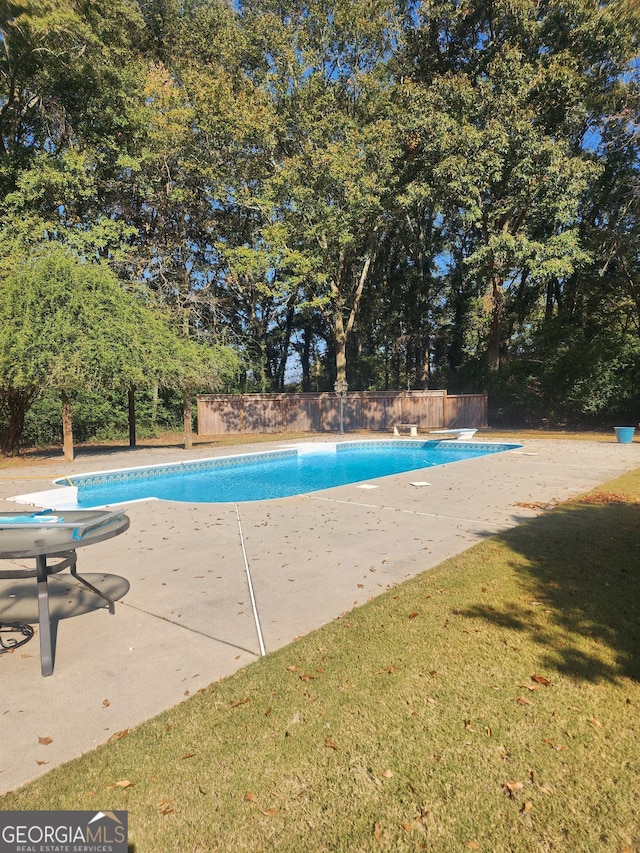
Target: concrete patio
x,y
186,617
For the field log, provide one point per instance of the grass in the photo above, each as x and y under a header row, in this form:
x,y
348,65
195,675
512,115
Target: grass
x,y
489,704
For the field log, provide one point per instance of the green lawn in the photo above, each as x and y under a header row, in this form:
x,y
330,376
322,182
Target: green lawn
x,y
490,704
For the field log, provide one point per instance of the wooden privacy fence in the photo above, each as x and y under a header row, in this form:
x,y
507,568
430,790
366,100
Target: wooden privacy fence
x,y
377,411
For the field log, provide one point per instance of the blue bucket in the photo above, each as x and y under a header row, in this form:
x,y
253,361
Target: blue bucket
x,y
624,435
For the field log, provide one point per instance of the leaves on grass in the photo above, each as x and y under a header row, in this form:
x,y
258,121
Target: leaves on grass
x,y
377,831
526,807
511,787
123,783
540,679
118,735
595,723
164,807
250,797
472,845
557,746
413,615
523,701
330,743
608,498
239,702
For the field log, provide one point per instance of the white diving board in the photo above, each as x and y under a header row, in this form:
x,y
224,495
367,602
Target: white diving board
x,y
459,434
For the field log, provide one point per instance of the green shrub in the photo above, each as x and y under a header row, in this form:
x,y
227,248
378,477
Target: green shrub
x,y
100,417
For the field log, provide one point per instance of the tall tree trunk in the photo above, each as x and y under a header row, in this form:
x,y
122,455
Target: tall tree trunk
x,y
284,349
154,405
132,416
186,411
341,331
425,368
425,238
305,359
340,338
550,300
493,346
67,427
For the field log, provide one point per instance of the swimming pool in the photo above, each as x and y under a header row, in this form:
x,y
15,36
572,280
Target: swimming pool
x,y
266,475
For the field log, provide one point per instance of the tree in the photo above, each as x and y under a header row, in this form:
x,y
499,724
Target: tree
x,y
101,156
70,87
203,120
431,192
324,203
500,142
69,324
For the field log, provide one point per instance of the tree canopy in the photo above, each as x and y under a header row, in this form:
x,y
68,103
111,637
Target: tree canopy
x,y
70,325
389,194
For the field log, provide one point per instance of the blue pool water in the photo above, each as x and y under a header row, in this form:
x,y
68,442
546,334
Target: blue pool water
x,y
275,474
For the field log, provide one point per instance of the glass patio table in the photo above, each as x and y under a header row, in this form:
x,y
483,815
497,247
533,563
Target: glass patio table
x,y
50,536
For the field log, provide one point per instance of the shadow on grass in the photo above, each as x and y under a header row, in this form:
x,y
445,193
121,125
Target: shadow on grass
x,y
580,569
